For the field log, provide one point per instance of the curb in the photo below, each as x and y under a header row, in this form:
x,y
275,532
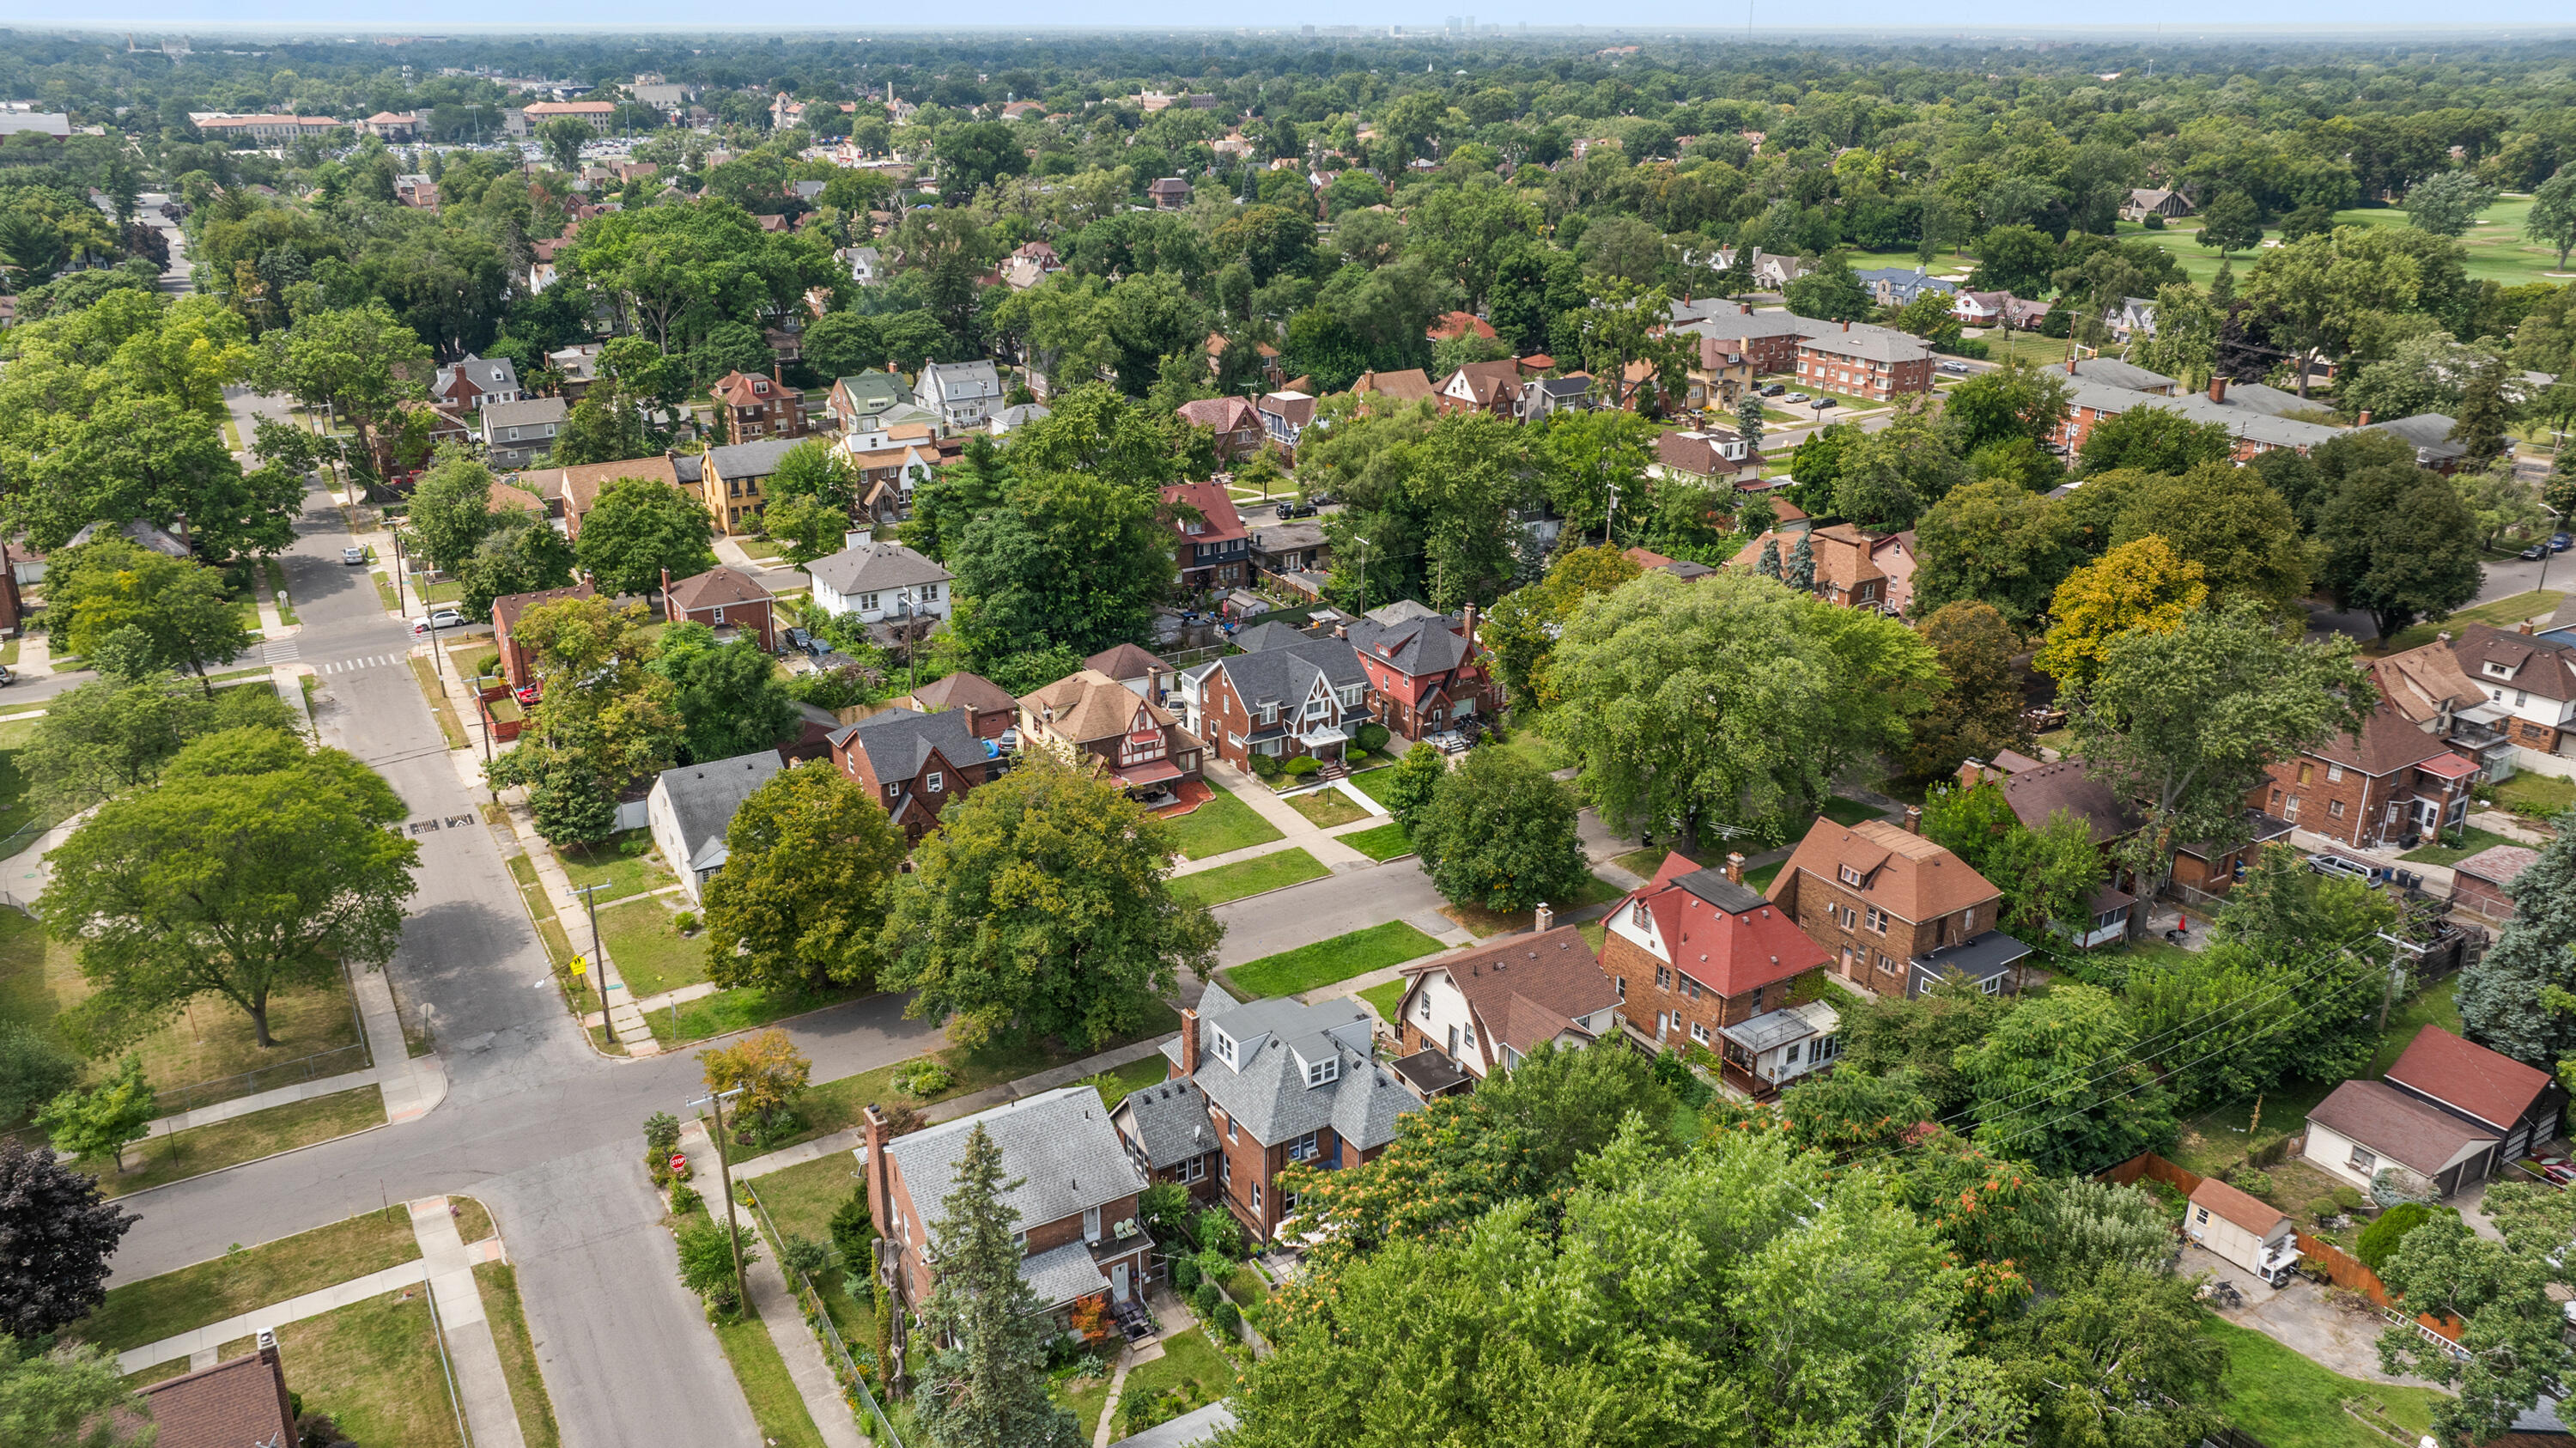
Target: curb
x,y
254,1161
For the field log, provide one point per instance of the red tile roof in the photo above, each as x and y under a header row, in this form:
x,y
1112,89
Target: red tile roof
x,y
1214,503
2467,1077
1459,324
1720,932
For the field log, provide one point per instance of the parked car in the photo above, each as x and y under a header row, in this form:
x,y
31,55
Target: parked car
x,y
1775,389
1295,510
354,557
7,677
1795,397
1822,403
799,640
1954,366
2536,550
2342,868
443,618
2561,542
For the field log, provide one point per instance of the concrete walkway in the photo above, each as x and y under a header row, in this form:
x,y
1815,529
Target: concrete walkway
x,y
214,1335
623,1016
482,1388
413,1085
1299,830
667,999
776,1303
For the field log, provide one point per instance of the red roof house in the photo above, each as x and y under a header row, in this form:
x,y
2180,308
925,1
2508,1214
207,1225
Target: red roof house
x,y
1212,543
1700,951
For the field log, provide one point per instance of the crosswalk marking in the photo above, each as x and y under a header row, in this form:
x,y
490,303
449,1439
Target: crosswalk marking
x,y
281,652
350,666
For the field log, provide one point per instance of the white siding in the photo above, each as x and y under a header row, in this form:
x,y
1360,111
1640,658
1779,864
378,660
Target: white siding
x,y
1448,1009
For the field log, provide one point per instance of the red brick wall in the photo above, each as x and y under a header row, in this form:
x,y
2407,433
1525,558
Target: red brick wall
x,y
1623,959
2363,799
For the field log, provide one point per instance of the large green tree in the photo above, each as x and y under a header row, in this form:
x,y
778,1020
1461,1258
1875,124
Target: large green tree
x,y
56,1237
1076,559
2230,522
2057,1083
641,528
1500,834
802,896
2400,544
1040,905
728,694
2503,998
1980,714
1993,542
2510,1294
178,605
110,736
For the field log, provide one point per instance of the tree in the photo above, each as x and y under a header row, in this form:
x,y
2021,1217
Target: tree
x,y
233,885
2056,1084
2227,520
69,1397
1590,458
2124,1358
2318,288
1069,558
1830,293
102,1120
2516,1350
989,1384
1676,689
111,736
844,344
1040,905
451,509
1921,1037
1500,835
1749,421
2015,259
56,1236
808,501
2153,439
2231,222
562,139
2147,726
130,456
2484,412
766,1066
33,1069
2502,997
708,1250
2141,585
641,528
1980,714
728,694
2552,218
178,604
1996,543
1520,634
1887,478
2013,402
362,361
2399,543
801,898
605,721
524,557
2447,203
1416,780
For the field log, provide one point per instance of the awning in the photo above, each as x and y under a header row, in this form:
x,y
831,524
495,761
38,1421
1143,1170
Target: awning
x,y
1323,735
1152,771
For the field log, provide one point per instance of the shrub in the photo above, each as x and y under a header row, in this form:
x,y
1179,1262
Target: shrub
x,y
1970,347
487,665
922,1077
661,1136
634,849
851,1229
903,1119
1230,1317
1371,737
803,1254
1218,1232
1143,1411
2379,1240
1185,1274
2153,221
2251,1180
1265,766
686,922
1215,1267
2322,1208
1203,1300
685,1200
1301,766
1165,1207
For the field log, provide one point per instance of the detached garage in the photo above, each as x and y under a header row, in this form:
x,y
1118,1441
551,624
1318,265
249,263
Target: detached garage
x,y
2244,1230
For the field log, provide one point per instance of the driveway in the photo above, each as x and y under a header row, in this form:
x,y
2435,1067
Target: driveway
x,y
2303,1318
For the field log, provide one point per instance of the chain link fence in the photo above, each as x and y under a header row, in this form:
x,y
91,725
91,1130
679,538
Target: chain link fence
x,y
837,1354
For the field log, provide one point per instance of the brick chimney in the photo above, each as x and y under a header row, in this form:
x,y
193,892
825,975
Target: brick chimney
x,y
2070,364
880,1198
1543,919
1735,867
2218,388
2364,419
1846,326
2525,627
1189,1043
667,615
1470,629
1914,819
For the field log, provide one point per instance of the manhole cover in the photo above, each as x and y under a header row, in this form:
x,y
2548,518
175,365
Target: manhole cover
x,y
424,827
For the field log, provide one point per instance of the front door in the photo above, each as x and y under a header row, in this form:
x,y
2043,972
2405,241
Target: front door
x,y
1118,1282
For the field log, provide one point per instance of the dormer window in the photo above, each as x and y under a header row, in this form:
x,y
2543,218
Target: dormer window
x,y
2498,670
1850,876
1221,1046
1319,1073
1637,915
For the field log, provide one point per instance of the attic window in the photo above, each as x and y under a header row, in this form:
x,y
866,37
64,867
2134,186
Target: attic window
x,y
1222,1044
1320,1072
1850,876
1637,915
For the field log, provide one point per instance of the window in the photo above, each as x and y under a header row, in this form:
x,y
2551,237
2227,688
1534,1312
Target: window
x,y
1991,985
1223,1045
1849,875
1699,1032
1256,1196
719,618
930,593
1350,696
1303,1148
1622,983
2334,774
2363,1160
1663,977
1319,1073
1877,920
936,782
1225,1170
1825,1049
1270,712
2200,1216
868,601
1195,1169
2307,771
1637,915
2335,808
891,790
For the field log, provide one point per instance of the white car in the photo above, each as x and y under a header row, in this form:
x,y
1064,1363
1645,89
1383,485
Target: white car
x,y
443,619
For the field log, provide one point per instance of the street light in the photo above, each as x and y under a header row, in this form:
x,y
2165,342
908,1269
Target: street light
x,y
715,1100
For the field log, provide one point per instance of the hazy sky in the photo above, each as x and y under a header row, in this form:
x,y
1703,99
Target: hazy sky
x,y
2484,21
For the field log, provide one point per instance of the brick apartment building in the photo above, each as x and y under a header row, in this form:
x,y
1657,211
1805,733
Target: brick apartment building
x,y
1895,911
1870,362
752,408
1695,951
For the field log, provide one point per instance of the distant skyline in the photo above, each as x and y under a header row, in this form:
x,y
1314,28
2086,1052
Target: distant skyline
x,y
2185,21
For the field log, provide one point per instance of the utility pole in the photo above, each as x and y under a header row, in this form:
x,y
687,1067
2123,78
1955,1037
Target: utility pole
x,y
1364,548
724,1174
590,897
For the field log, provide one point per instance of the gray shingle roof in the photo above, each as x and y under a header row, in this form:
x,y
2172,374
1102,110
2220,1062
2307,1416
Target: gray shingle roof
x,y
1167,1121
1059,1156
2429,433
1264,1090
1063,1274
2112,372
875,566
704,798
1263,636
958,381
1871,344
751,459
1286,673
533,412
2241,422
898,742
1422,646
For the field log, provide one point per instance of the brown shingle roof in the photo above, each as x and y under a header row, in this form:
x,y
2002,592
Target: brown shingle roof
x,y
1220,414
579,486
237,1404
1904,874
2419,681
718,587
507,608
1214,504
1487,381
1844,556
1088,706
1411,384
2387,743
2468,1077
1527,989
1126,661
744,389
2412,1133
963,691
2498,864
2546,669
2040,790
2257,1217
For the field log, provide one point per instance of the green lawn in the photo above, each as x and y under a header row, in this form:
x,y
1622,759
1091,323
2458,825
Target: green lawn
x,y
1373,783
1223,823
742,1009
1761,879
1385,998
174,1302
2545,792
1326,961
777,1408
1533,746
1326,808
1247,877
1481,922
201,1149
374,1367
1644,863
1116,1084
1190,1364
1086,1396
651,954
2502,613
499,1283
1385,842
2291,1401
608,863
2451,851
802,1198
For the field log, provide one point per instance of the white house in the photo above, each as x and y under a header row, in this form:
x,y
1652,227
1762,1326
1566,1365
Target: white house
x,y
964,394
879,581
1480,1014
692,806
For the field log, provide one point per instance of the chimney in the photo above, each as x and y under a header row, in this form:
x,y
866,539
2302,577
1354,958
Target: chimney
x,y
2364,419
2070,364
857,536
776,375
2218,388
1846,326
880,1201
2526,626
668,615
1189,1044
1735,867
1542,920
1914,819
1471,626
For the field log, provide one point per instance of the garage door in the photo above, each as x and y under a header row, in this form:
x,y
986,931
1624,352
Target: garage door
x,y
2514,1144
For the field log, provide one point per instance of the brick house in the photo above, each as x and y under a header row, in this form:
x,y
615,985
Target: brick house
x,y
1703,952
1278,1082
1708,453
241,1400
1234,420
2378,790
1853,569
989,708
1064,1171
1212,549
1493,387
516,664
1090,716
1766,341
471,383
1425,675
1894,911
1872,363
2245,413
1292,699
722,598
750,408
914,763
730,479
1465,1018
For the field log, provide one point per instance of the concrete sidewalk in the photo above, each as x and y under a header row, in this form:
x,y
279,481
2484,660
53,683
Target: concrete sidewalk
x,y
205,1340
482,1388
622,1014
1299,830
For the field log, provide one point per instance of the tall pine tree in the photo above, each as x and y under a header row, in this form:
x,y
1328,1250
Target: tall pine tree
x,y
988,1387
2501,996
1801,571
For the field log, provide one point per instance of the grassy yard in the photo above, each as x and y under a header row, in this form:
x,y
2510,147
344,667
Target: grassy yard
x,y
1190,1364
473,1219
1385,842
499,1284
1327,808
1481,922
1644,863
802,1198
1385,998
1761,879
2502,613
2450,852
2224,1135
609,863
2291,1401
1850,811
1223,823
1086,1396
1247,877
743,1009
1533,746
2544,791
374,1367
1116,1084
201,1149
1373,783
1327,961
651,954
776,1407
174,1302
